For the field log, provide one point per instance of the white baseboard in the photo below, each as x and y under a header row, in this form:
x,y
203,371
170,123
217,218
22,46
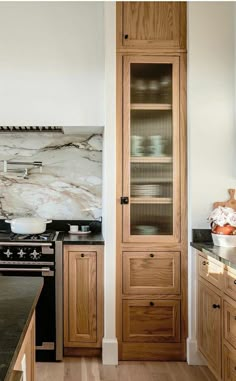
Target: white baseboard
x,y
109,352
194,357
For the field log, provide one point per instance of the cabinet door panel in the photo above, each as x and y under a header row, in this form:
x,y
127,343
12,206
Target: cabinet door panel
x,y
230,282
82,297
230,322
26,355
229,361
209,327
151,321
153,24
151,157
211,271
151,273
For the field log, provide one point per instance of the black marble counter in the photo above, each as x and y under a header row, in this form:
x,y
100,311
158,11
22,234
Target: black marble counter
x,y
88,239
18,299
202,241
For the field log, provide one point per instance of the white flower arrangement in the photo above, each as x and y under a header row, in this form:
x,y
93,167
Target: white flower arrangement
x,y
223,216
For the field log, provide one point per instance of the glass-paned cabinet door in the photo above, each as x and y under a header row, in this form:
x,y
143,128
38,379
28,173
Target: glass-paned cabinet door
x,y
151,149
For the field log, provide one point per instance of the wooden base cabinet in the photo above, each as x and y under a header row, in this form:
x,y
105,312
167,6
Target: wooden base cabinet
x,y
83,297
25,363
216,317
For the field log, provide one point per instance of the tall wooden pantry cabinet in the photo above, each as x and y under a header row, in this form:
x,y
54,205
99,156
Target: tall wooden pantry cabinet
x,y
151,181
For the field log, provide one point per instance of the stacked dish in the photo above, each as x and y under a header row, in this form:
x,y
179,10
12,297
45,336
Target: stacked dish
x,y
146,190
147,229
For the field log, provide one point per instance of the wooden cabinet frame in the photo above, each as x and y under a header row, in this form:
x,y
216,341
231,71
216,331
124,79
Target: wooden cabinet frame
x,y
151,350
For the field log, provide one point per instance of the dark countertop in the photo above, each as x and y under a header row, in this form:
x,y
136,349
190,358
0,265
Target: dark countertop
x,y
18,299
226,255
88,239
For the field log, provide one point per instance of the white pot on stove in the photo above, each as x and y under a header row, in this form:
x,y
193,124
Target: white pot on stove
x,y
28,225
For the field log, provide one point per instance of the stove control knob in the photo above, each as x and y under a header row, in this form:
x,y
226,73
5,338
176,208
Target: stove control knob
x,y
8,253
35,255
21,253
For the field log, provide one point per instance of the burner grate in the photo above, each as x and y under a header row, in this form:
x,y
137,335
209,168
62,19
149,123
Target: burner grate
x,y
46,236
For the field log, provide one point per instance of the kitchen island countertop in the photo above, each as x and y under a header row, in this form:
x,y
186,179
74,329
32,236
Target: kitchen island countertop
x,y
18,299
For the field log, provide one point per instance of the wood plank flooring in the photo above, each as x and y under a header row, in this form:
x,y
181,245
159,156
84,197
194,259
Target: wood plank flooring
x,y
91,369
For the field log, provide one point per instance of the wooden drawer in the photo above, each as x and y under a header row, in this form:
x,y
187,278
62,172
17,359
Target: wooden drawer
x,y
230,282
212,271
229,364
151,321
151,273
230,321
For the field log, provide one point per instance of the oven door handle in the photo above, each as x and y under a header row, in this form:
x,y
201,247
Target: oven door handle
x,y
44,270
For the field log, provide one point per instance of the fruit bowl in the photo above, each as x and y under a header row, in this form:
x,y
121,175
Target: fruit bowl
x,y
225,230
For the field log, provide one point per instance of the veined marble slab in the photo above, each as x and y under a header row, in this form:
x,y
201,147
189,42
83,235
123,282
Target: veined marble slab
x,y
70,184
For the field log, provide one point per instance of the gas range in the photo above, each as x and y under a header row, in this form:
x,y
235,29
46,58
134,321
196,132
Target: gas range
x,y
27,247
39,255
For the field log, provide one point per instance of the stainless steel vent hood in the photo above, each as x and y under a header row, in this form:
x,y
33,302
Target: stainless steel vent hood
x,y
72,130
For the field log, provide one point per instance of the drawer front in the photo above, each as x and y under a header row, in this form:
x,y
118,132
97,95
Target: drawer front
x,y
229,364
230,283
151,273
151,321
230,322
211,271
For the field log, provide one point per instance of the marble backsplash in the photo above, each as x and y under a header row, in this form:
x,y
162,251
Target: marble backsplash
x,y
70,185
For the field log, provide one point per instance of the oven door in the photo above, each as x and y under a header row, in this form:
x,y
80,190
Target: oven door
x,y
45,309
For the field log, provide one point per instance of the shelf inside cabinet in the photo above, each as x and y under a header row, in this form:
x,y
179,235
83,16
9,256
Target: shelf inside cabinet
x,y
151,200
151,159
150,106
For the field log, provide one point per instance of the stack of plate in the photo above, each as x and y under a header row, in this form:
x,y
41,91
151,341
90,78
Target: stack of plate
x,y
147,229
146,190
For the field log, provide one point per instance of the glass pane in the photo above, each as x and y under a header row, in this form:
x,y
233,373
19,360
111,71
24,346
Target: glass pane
x,y
151,133
151,83
151,150
151,219
151,180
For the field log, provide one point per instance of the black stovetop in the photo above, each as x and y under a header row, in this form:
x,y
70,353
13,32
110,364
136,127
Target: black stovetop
x,y
7,236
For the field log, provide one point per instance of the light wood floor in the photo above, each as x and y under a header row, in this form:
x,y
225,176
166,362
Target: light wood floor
x,y
91,369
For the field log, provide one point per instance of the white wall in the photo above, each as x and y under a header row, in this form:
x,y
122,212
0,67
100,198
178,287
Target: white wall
x,y
211,128
212,134
52,63
52,69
